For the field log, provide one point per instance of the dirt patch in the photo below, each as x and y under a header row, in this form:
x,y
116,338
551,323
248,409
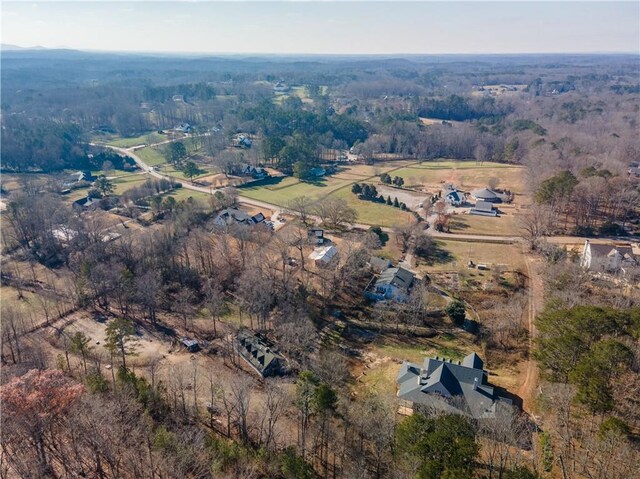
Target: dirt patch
x,y
411,198
220,180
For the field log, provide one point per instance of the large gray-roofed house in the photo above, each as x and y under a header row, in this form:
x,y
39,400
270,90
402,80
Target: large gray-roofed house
x,y
449,386
484,194
231,216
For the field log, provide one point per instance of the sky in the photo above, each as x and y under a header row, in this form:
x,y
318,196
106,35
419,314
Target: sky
x,y
326,27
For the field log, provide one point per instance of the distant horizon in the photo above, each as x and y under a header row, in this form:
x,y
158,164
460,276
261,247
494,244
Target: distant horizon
x,y
41,48
326,28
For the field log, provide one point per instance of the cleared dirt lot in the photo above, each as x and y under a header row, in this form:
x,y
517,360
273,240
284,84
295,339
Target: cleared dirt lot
x,y
410,198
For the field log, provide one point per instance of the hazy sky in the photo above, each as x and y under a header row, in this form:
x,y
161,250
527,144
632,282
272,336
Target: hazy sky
x,y
326,27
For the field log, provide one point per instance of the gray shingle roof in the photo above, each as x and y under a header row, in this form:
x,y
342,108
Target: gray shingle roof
x,y
483,206
257,351
438,381
607,249
484,193
398,277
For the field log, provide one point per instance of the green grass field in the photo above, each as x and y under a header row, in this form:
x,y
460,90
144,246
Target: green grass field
x,y
167,169
183,193
151,156
371,213
145,139
125,183
281,190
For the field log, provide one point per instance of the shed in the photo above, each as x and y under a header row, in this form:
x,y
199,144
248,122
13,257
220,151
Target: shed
x,y
323,256
483,208
190,344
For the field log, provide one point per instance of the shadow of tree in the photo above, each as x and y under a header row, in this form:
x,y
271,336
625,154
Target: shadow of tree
x,y
437,254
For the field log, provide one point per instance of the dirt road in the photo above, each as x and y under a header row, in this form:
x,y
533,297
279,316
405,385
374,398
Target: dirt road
x,y
527,390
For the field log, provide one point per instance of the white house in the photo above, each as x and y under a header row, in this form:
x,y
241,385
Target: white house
x,y
454,198
323,256
607,258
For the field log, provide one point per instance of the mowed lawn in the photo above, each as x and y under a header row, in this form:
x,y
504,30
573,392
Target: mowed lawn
x,y
125,183
376,214
183,194
151,156
465,175
146,139
280,190
167,169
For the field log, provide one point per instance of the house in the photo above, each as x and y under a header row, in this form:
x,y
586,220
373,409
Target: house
x,y
242,141
379,264
184,128
232,216
322,256
317,172
254,171
191,345
393,284
258,352
485,194
64,234
606,257
451,387
454,198
316,235
280,87
84,203
483,208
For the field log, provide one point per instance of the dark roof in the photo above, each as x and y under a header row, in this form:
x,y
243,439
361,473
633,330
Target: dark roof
x,y
607,249
398,277
259,218
484,193
455,195
438,380
257,351
473,361
233,215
